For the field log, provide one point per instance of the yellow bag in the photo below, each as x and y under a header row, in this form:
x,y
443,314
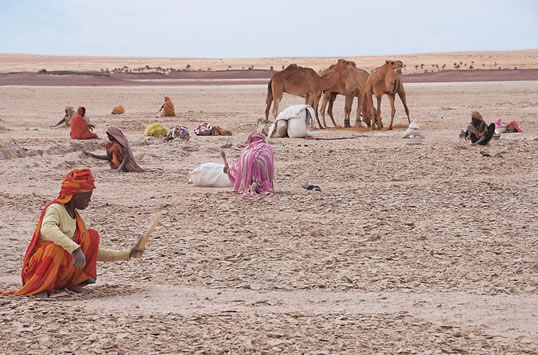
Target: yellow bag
x,y
155,130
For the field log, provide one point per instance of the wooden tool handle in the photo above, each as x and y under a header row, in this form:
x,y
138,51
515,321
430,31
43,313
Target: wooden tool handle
x,y
142,242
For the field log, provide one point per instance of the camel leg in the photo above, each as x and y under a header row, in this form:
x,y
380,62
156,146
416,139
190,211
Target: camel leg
x,y
315,103
358,118
268,102
276,101
401,93
275,93
324,100
331,104
392,110
366,109
347,110
377,120
268,107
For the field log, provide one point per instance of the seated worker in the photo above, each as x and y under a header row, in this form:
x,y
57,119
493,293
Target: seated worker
x,y
68,117
167,108
118,152
69,114
63,253
478,131
79,126
253,172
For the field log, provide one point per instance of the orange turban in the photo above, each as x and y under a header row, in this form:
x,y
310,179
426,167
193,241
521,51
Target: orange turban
x,y
76,181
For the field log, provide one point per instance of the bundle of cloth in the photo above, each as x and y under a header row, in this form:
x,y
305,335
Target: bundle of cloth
x,y
155,130
510,127
178,131
206,129
118,110
293,122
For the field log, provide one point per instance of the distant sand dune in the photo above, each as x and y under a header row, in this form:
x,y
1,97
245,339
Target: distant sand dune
x,y
522,59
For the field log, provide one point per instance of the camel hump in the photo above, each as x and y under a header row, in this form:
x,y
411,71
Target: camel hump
x,y
292,67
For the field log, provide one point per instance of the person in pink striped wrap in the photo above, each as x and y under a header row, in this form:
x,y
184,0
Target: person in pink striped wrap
x,y
252,174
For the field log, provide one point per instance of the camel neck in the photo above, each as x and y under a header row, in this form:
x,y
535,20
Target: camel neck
x,y
329,79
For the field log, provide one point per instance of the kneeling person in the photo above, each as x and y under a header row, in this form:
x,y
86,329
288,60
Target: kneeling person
x,y
63,253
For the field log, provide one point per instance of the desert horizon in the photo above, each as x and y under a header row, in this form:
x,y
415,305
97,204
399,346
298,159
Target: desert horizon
x,y
413,63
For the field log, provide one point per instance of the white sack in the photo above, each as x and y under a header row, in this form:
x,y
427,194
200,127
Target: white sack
x,y
293,122
210,175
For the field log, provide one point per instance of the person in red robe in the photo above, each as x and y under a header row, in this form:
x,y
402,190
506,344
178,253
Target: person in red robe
x,y
79,126
63,253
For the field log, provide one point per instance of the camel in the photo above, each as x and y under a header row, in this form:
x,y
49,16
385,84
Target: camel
x,y
350,85
383,80
304,82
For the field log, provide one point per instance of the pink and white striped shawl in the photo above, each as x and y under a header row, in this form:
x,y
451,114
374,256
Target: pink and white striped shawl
x,y
256,165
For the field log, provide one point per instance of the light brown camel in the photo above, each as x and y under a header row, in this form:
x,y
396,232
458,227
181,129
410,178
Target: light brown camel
x,y
383,80
301,81
350,85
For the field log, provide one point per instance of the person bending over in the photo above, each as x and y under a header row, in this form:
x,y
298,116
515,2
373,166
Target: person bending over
x,y
253,172
118,152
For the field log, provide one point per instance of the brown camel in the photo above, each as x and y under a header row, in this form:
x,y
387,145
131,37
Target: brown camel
x,y
304,82
350,85
383,80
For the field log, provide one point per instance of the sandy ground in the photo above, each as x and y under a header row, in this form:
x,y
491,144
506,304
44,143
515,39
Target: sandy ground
x,y
427,248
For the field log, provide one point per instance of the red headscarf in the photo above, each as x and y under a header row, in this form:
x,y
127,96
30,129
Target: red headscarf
x,y
75,181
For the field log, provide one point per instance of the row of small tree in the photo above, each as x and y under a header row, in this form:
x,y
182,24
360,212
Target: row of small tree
x,y
458,66
188,67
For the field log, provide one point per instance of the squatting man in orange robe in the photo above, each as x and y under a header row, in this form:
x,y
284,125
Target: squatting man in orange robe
x,y
62,252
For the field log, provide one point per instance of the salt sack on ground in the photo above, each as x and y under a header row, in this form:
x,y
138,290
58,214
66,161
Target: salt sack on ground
x,y
210,175
413,131
293,122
